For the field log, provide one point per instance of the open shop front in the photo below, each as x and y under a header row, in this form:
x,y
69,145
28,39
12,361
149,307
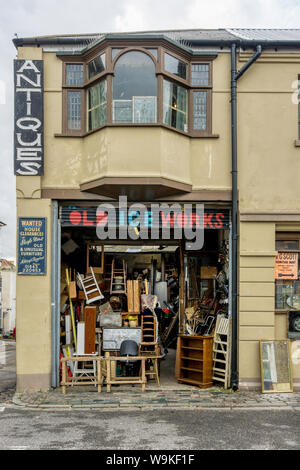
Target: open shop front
x,y
143,312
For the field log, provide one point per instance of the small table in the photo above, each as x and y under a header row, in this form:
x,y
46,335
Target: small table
x,y
67,381
126,380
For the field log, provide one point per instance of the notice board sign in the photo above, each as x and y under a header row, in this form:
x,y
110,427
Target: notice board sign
x,y
32,244
29,118
286,266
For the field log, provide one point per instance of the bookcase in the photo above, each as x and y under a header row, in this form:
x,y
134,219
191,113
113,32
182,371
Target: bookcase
x,y
195,360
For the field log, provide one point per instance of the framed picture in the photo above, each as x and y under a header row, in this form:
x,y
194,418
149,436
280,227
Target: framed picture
x,y
275,362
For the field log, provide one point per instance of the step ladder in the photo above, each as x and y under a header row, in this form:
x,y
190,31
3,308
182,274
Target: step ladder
x,y
222,351
115,273
90,287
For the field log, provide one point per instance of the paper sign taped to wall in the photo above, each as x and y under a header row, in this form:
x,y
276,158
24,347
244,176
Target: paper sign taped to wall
x,y
286,266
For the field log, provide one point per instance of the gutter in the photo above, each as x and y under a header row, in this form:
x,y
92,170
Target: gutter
x,y
242,43
235,75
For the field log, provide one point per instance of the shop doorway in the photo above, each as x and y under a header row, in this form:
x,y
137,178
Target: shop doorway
x,y
185,292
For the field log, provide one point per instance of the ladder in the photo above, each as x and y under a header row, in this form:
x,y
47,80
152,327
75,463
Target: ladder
x,y
90,287
222,351
149,332
118,273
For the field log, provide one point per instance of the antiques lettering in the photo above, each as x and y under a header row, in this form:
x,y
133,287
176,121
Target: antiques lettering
x,y
29,151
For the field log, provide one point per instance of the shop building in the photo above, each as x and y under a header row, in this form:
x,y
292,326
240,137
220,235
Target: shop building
x,y
207,117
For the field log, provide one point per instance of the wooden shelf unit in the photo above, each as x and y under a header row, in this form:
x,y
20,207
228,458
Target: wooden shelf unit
x,y
195,360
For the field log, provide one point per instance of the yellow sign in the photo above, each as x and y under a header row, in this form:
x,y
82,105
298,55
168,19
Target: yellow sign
x,y
286,266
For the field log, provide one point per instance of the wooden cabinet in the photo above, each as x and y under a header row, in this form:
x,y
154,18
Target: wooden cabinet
x,y
195,360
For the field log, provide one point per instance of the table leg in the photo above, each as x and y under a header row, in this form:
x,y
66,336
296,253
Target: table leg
x,y
143,374
108,374
64,376
99,374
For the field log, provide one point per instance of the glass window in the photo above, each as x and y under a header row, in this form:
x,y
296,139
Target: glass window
x,y
283,245
74,110
134,89
175,106
153,52
115,52
175,66
96,105
200,74
74,74
200,110
96,66
287,291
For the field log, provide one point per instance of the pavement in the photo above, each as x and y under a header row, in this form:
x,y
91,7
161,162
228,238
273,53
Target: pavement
x,y
132,398
170,395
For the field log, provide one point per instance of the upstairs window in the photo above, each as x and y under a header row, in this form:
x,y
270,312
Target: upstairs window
x,y
96,105
125,85
96,66
175,107
74,74
175,66
134,89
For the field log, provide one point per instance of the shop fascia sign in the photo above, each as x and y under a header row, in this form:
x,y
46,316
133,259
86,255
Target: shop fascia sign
x,y
29,120
144,222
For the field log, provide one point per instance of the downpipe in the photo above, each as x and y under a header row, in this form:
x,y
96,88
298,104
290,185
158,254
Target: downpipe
x,y
235,75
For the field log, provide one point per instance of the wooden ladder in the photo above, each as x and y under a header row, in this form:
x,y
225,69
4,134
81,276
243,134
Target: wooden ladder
x,y
118,272
90,287
148,331
222,351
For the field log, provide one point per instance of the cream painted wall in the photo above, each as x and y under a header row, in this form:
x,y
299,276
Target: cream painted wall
x,y
33,304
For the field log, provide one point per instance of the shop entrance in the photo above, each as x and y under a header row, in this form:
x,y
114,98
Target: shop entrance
x,y
153,296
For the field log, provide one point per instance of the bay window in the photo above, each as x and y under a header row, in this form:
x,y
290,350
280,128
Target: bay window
x,y
150,85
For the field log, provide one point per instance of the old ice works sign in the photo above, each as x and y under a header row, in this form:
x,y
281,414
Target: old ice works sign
x,y
29,121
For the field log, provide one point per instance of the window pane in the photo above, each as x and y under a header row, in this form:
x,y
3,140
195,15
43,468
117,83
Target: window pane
x,y
283,291
283,245
74,74
153,52
74,110
97,105
96,66
175,106
115,52
200,74
200,110
134,89
175,66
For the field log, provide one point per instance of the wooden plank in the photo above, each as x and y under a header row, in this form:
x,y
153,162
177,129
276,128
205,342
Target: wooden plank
x,y
90,330
130,296
136,296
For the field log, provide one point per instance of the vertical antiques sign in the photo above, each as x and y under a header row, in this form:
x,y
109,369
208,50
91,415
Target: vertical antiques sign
x,y
29,118
32,245
286,265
